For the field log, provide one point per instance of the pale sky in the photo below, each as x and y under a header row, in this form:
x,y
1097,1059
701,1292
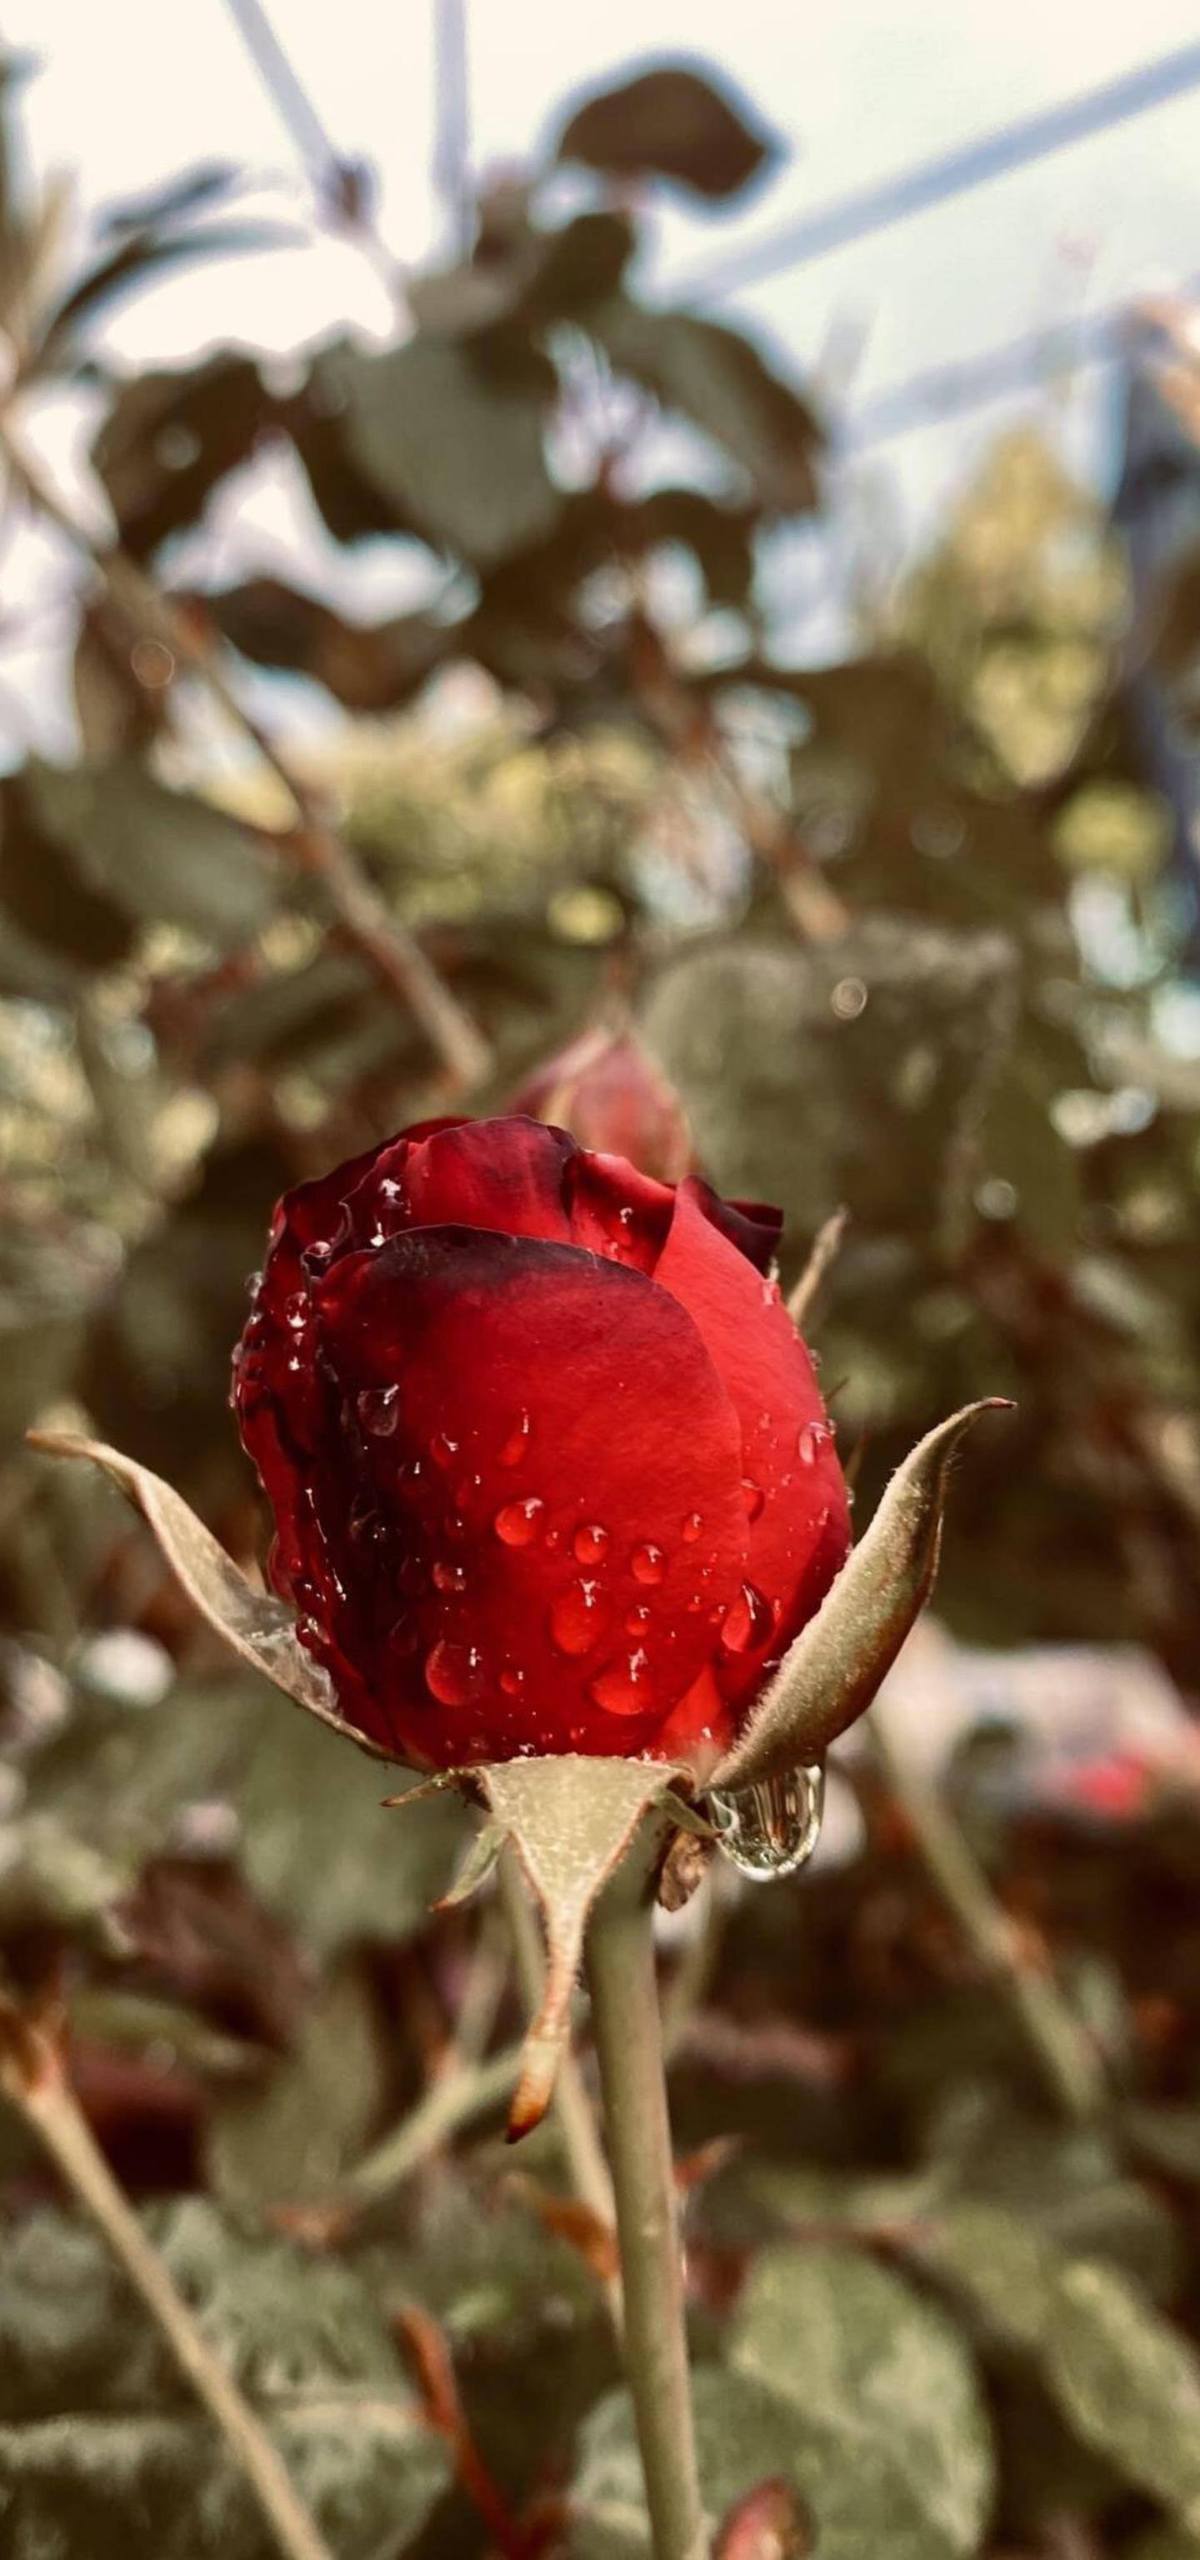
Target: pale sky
x,y
131,93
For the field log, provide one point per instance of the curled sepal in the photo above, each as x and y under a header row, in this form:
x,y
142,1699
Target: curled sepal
x,y
258,1628
570,1820
830,1674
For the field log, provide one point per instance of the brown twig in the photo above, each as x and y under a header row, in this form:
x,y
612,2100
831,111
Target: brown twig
x,y
33,2079
395,958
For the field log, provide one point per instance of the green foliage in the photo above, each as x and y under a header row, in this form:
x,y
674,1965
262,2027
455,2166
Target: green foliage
x,y
100,2445
899,928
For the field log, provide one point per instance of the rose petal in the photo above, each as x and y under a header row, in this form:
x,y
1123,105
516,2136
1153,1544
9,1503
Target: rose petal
x,y
752,1225
799,1532
526,1431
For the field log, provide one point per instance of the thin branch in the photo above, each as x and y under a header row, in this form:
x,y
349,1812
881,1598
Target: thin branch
x,y
452,114
395,958
338,182
827,1245
456,2099
1065,2056
32,2078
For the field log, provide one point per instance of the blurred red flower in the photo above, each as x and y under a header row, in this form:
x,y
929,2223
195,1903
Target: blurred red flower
x,y
549,1465
606,1089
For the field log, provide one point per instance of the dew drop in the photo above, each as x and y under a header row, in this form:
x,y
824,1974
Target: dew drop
x,y
808,1443
512,1680
623,1687
517,1523
449,1577
747,1622
753,1497
691,1528
443,1450
577,1618
378,1410
637,1619
648,1564
517,1444
771,1829
589,1542
454,1673
295,1310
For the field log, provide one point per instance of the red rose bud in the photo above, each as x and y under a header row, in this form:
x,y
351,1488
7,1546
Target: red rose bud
x,y
608,1092
769,2524
548,1462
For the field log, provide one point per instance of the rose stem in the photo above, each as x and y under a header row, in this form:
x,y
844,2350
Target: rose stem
x,y
1066,2058
32,2077
570,2105
392,954
628,2033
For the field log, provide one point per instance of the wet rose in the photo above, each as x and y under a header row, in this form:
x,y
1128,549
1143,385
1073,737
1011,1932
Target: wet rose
x,y
548,1462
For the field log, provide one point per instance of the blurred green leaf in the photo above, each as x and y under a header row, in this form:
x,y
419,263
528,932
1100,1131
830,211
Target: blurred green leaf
x,y
156,853
457,446
716,378
671,122
102,2448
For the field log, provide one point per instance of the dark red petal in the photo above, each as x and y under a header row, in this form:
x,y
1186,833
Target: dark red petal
x,y
752,1225
502,1175
538,1521
615,1210
797,1511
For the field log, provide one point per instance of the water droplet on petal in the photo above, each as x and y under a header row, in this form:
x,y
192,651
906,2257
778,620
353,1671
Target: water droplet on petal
x,y
512,1680
449,1577
753,1497
623,1687
807,1445
648,1564
378,1410
454,1673
771,1829
747,1622
577,1618
637,1619
516,1446
295,1310
517,1523
589,1542
442,1449
692,1527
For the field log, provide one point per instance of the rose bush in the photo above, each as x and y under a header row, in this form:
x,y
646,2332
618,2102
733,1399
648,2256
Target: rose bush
x,y
548,1462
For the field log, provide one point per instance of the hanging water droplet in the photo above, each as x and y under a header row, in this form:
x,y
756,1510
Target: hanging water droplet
x,y
454,1673
771,1829
577,1618
589,1542
747,1622
623,1688
648,1564
517,1523
514,1448
378,1410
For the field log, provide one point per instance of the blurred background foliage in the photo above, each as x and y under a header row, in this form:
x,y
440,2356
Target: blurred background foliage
x,y
912,932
